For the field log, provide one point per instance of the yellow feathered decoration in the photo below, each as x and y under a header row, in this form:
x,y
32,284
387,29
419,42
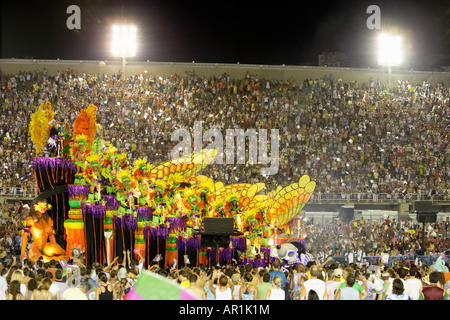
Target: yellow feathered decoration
x,y
160,184
137,167
189,196
122,157
216,205
111,149
175,179
139,162
124,174
49,114
39,129
94,157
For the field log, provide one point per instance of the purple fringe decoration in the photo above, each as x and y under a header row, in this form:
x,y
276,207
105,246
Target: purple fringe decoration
x,y
181,243
177,224
126,222
117,222
191,244
194,243
239,243
111,203
211,254
53,163
151,233
225,255
163,233
96,210
77,191
145,213
129,222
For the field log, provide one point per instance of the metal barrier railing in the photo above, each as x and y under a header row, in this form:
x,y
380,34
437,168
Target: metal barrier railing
x,y
427,260
326,218
323,198
18,192
317,198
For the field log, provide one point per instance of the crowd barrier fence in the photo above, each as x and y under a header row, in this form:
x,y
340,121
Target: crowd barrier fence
x,y
392,261
393,198
18,192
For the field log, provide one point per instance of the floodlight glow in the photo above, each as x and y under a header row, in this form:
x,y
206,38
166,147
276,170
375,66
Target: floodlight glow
x,y
124,38
390,52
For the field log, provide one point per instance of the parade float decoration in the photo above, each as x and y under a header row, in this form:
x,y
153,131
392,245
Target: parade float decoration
x,y
111,205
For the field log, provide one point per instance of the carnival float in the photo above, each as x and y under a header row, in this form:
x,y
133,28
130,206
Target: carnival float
x,y
93,201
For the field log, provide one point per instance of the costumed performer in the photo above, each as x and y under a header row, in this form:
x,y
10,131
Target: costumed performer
x,y
158,202
205,200
125,193
141,175
84,130
218,208
174,194
93,176
78,153
191,203
233,208
252,228
263,226
109,169
122,161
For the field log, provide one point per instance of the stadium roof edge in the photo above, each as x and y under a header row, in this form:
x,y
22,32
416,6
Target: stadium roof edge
x,y
209,65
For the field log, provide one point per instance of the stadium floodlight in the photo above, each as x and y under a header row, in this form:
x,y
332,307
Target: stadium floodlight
x,y
124,42
390,52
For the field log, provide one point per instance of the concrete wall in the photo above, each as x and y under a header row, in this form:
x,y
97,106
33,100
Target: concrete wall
x,y
236,71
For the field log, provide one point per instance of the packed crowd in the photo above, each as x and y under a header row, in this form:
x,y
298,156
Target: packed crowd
x,y
355,242
388,236
350,137
12,216
327,281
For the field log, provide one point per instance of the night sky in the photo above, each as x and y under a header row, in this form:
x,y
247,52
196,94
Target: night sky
x,y
274,32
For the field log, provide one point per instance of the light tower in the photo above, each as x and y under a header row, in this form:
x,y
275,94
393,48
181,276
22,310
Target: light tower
x,y
390,51
124,42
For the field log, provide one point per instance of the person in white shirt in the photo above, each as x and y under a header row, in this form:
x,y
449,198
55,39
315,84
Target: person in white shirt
x,y
223,291
2,295
17,274
54,288
401,273
59,282
276,293
76,293
413,285
333,283
314,283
